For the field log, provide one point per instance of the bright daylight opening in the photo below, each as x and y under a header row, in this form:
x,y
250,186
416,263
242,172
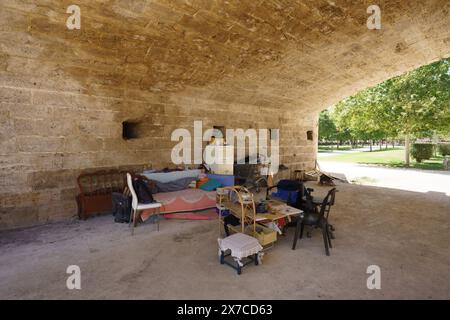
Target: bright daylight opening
x,y
394,135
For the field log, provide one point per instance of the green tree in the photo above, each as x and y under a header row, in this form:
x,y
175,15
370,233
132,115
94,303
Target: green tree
x,y
327,128
356,115
415,104
420,101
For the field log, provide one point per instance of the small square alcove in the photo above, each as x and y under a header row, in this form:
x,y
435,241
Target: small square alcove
x,y
130,130
309,135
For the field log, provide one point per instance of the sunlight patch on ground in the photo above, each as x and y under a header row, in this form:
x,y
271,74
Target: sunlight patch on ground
x,y
397,178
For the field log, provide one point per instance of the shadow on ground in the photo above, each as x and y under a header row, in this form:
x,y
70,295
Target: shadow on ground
x,y
405,233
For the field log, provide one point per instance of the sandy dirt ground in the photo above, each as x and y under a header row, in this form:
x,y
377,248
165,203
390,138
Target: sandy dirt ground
x,y
405,233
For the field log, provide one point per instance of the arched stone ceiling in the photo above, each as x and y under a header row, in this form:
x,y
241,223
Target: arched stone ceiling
x,y
277,53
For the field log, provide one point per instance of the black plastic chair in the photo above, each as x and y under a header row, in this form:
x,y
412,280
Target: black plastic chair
x,y
327,213
317,219
318,201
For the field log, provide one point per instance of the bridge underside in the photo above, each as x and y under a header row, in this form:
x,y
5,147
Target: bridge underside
x,y
65,94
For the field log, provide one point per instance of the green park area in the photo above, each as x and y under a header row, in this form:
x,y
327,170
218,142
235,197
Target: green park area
x,y
390,157
402,122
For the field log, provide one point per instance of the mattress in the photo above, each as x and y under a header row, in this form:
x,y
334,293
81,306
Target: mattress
x,y
184,200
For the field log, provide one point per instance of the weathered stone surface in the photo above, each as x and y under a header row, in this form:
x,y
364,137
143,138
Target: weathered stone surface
x,y
239,64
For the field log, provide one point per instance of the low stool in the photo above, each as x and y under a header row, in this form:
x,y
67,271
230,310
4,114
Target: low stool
x,y
242,248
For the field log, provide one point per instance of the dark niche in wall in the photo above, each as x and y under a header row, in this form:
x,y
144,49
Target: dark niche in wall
x,y
309,135
130,130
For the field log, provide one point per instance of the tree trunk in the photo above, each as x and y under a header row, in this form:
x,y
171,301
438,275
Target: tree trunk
x,y
435,141
407,143
371,143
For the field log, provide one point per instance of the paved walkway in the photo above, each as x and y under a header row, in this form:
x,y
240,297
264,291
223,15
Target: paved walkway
x,y
357,150
397,178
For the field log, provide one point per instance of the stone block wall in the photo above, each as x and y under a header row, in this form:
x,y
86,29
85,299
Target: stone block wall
x,y
50,137
64,94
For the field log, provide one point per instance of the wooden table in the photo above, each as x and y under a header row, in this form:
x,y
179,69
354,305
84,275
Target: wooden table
x,y
278,211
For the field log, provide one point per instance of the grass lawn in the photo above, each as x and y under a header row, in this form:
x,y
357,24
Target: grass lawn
x,y
332,148
390,158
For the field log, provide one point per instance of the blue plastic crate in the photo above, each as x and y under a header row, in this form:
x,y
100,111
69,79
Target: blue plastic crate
x,y
286,195
225,212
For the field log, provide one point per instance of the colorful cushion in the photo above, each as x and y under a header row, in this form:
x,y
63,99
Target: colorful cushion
x,y
201,182
210,185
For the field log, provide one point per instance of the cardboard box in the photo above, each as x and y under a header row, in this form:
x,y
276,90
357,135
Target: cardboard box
x,y
265,235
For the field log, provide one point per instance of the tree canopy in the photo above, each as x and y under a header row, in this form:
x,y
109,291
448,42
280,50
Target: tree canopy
x,y
327,128
414,104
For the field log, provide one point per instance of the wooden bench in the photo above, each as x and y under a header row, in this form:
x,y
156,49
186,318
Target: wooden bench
x,y
96,190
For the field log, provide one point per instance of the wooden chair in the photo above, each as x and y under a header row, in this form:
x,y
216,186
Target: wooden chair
x,y
137,207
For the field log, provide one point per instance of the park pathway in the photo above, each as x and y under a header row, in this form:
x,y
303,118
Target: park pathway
x,y
397,178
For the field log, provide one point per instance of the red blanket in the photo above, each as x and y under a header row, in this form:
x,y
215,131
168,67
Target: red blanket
x,y
186,200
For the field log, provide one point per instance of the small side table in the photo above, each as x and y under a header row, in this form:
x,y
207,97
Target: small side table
x,y
243,248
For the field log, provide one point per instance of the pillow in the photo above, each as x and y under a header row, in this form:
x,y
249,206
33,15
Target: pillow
x,y
210,185
201,181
